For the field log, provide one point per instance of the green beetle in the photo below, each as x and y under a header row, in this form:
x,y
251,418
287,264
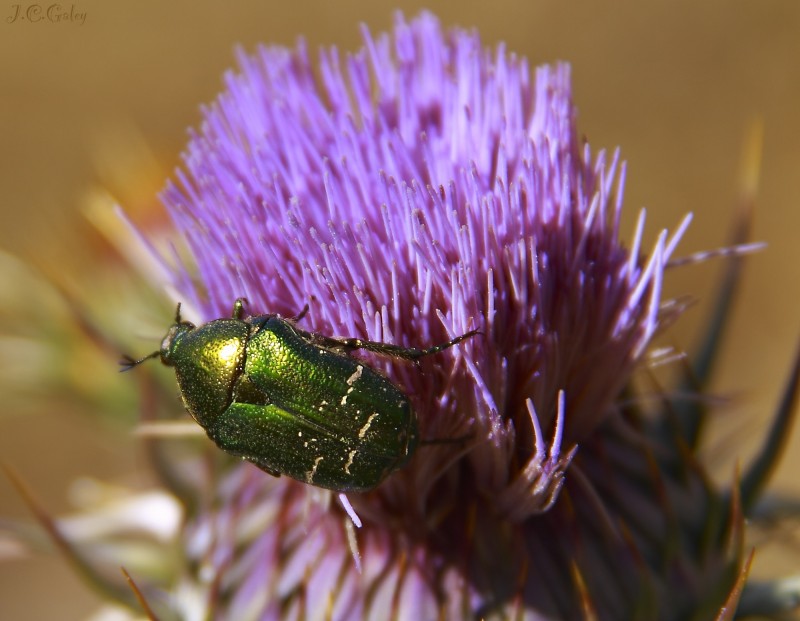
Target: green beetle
x,y
293,402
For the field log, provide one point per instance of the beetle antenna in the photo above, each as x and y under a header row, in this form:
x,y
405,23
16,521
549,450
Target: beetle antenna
x,y
177,316
127,363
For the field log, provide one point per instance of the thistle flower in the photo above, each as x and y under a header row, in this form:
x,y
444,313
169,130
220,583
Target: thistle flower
x,y
420,189
409,193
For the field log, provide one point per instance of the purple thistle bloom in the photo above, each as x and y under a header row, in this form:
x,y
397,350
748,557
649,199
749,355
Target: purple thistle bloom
x,y
422,188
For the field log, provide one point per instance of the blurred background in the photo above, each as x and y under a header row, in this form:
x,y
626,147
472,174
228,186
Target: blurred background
x,y
676,85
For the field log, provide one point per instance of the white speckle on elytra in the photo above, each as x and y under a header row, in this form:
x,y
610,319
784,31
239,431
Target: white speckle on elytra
x,y
363,431
354,377
344,398
349,463
311,473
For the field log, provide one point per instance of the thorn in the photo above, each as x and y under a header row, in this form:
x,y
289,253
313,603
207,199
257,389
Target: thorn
x,y
139,596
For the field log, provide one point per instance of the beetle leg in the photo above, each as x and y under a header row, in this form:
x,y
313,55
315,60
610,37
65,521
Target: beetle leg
x,y
238,308
387,349
299,315
450,343
257,462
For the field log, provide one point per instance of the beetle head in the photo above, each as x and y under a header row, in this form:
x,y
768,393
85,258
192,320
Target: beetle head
x,y
176,331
